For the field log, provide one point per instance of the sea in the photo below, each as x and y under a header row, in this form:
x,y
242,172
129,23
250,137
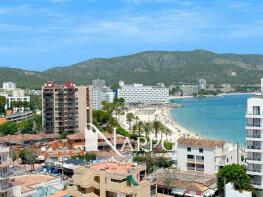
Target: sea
x,y
219,117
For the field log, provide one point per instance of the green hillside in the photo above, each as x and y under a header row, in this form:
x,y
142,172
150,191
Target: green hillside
x,y
150,67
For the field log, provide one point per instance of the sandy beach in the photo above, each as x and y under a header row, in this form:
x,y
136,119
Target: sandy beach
x,y
162,114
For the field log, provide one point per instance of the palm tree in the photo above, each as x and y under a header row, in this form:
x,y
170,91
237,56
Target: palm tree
x,y
147,128
140,127
157,126
129,118
134,128
167,132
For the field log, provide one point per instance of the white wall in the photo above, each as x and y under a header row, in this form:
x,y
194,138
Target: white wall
x,y
231,192
208,153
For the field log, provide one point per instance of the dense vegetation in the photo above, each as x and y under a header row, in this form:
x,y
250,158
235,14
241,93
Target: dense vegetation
x,y
236,174
153,163
31,126
168,67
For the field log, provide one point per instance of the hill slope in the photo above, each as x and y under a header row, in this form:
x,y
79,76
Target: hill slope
x,y
151,67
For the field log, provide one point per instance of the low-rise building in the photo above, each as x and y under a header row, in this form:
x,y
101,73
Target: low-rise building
x,y
230,191
171,182
206,156
110,179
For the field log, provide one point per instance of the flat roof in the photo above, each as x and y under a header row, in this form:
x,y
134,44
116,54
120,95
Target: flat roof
x,y
116,168
28,182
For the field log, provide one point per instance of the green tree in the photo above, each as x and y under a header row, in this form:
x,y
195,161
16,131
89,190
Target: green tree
x,y
37,119
8,128
2,104
140,127
129,118
35,102
157,126
28,156
147,128
236,174
87,157
26,126
13,155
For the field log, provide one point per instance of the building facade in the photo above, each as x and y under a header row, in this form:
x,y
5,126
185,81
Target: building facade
x,y
100,93
9,85
201,84
110,179
138,93
189,90
5,161
65,107
206,156
254,140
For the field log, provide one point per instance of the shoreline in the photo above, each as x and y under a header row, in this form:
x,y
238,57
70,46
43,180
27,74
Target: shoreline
x,y
208,96
162,114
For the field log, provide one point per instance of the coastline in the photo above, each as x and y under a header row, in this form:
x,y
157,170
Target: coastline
x,y
162,114
221,94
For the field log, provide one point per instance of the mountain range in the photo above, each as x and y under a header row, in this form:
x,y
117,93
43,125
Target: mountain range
x,y
149,67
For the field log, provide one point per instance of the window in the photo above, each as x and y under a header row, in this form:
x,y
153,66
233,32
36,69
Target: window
x,y
190,156
256,110
201,150
189,149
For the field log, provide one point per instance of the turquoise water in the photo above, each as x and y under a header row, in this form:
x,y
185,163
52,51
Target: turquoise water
x,y
220,117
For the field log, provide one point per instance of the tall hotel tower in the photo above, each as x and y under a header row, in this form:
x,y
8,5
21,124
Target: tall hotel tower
x,y
254,139
66,107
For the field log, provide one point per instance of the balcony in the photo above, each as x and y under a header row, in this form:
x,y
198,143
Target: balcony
x,y
256,182
254,147
253,135
254,169
4,187
254,158
254,115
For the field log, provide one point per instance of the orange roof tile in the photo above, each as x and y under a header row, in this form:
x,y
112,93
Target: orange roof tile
x,y
199,142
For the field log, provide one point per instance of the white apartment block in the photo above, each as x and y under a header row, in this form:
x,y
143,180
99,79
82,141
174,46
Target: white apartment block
x,y
202,155
254,140
10,99
202,84
138,93
100,93
9,85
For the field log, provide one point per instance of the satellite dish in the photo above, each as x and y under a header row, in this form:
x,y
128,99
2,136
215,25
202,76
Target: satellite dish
x,y
43,149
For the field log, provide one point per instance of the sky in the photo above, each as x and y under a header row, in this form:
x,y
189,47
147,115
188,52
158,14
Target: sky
x,y
40,34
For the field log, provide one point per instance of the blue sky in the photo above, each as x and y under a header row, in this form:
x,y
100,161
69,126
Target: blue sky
x,y
39,34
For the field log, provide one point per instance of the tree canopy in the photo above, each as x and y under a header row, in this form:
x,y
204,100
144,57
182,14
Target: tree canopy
x,y
236,174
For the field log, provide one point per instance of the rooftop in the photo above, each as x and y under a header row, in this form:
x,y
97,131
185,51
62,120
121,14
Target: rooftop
x,y
29,182
19,138
188,181
199,142
116,168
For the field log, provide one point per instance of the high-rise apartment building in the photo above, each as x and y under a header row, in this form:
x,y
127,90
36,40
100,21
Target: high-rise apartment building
x,y
201,84
5,186
65,107
254,140
100,93
138,93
